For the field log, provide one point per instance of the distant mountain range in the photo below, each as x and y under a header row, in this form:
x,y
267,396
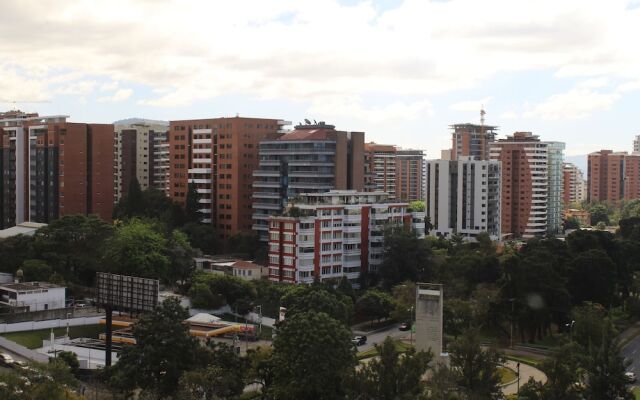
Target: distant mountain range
x,y
130,121
580,161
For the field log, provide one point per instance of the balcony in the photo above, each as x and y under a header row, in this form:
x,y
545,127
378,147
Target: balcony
x,y
266,195
266,184
200,170
199,181
266,206
204,201
274,174
203,191
201,141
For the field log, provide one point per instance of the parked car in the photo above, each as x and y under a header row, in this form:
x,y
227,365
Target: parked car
x,y
631,377
405,326
359,340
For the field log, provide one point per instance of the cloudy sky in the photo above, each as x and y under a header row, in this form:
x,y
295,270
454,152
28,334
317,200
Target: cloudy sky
x,y
401,70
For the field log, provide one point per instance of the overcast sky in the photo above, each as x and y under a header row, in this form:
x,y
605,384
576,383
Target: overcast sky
x,y
401,71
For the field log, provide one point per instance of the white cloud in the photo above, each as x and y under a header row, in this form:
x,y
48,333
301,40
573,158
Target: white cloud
x,y
75,88
354,108
285,49
109,86
119,95
509,115
576,103
471,105
630,86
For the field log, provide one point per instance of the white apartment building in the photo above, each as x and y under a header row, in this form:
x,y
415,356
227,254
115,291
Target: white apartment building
x,y
575,187
37,296
463,197
141,150
334,234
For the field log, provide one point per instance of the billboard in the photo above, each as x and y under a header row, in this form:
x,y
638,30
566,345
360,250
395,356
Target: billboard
x,y
127,293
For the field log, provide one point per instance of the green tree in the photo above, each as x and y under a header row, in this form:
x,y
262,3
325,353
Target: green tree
x,y
404,297
72,244
14,250
192,206
71,359
235,292
261,368
303,299
374,304
138,249
605,370
570,223
164,350
416,206
599,213
392,376
406,257
589,321
592,277
563,371
313,355
36,270
476,369
203,237
221,377
180,255
201,297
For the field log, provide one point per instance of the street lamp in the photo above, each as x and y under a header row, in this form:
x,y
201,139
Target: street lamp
x,y
411,310
259,308
512,300
570,326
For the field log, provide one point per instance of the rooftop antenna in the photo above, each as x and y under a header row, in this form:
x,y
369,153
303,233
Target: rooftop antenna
x,y
307,121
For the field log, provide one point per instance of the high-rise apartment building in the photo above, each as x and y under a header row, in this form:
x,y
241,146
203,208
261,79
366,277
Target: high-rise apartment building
x,y
51,168
636,144
410,175
218,156
470,140
141,151
632,176
380,168
463,197
606,176
575,187
313,158
333,235
399,172
532,186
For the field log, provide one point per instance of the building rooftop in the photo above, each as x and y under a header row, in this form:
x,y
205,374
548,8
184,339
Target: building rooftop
x,y
27,286
246,265
307,134
24,228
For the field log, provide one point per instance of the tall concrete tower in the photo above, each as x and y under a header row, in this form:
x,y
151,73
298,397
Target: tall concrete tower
x,y
429,325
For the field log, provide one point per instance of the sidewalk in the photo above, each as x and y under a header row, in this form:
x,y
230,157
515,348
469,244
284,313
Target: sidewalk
x,y
22,351
526,372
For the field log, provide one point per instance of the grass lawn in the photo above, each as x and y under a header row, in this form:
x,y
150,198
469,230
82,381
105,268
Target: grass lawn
x,y
636,393
506,375
372,352
523,359
33,339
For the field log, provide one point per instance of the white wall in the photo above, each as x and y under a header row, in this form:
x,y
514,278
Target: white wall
x,y
53,323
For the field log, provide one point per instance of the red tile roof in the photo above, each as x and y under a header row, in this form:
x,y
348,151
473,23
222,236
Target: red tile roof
x,y
308,134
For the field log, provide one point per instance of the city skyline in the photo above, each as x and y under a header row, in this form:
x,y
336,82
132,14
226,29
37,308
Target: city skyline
x,y
562,71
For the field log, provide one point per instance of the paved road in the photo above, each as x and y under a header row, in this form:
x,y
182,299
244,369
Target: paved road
x,y
631,352
379,336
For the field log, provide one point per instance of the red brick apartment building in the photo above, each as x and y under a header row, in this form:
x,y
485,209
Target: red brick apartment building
x,y
613,176
219,155
51,168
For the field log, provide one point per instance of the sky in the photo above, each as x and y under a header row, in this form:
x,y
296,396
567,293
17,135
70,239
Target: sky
x,y
400,70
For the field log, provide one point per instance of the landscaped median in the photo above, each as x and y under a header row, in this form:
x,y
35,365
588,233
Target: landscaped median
x,y
401,347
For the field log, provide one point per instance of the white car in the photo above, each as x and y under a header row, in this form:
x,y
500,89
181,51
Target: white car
x,y
631,377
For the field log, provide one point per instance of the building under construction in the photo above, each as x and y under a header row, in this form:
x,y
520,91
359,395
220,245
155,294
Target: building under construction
x,y
471,140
